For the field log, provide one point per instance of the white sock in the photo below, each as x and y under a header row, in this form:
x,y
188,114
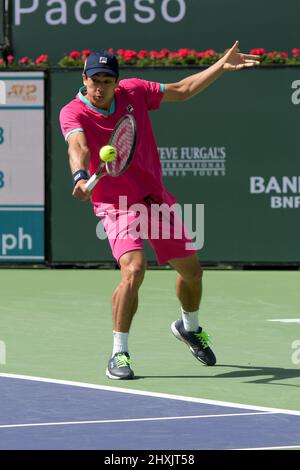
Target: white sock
x,y
190,320
120,342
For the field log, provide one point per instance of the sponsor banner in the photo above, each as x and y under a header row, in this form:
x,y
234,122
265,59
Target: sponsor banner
x,y
92,12
22,234
65,25
283,192
22,147
21,156
22,89
193,161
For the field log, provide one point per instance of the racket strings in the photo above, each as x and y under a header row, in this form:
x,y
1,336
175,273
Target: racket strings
x,y
122,141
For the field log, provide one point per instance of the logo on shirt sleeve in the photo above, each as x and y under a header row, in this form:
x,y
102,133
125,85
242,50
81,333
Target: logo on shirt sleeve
x,y
130,108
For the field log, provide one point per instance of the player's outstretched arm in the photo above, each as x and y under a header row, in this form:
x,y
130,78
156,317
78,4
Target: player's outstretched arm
x,y
190,86
79,156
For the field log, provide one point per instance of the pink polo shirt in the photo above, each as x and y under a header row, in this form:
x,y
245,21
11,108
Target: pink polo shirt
x,y
144,176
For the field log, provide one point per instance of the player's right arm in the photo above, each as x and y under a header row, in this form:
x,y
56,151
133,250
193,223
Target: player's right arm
x,y
79,156
193,84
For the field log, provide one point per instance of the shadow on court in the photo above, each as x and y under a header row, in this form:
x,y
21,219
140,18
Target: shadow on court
x,y
255,372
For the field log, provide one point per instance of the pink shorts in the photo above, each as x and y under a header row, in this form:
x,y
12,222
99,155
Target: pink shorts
x,y
127,228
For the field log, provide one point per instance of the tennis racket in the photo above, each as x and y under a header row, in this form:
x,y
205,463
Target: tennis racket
x,y
123,138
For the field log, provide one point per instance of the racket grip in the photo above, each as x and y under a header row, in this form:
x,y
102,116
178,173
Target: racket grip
x,y
91,183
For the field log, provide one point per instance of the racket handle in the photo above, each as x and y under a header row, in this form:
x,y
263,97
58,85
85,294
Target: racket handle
x,y
91,183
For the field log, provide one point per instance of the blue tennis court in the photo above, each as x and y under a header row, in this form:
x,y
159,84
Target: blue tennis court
x,y
40,413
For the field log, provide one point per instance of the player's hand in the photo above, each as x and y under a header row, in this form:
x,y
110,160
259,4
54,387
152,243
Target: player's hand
x,y
235,60
80,192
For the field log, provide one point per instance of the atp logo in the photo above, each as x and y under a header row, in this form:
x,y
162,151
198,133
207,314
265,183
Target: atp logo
x,y
24,92
2,92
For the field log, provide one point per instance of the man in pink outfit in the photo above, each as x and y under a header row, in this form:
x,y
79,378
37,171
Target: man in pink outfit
x,y
87,123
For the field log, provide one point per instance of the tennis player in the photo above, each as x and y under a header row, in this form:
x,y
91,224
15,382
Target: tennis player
x,y
87,123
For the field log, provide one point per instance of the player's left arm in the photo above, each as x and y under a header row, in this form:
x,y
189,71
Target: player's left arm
x,y
194,84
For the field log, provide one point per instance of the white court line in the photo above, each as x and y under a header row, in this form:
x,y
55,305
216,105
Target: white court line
x,y
287,320
150,394
130,420
270,448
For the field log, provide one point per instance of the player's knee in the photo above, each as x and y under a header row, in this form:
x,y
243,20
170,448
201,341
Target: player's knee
x,y
194,275
135,273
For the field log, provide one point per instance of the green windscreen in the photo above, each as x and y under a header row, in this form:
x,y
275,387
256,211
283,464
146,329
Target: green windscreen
x,y
1,22
234,149
63,26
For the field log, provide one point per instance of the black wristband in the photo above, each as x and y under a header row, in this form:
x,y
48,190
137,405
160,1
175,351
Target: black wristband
x,y
79,175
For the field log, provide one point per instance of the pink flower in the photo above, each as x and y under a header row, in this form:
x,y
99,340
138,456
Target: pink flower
x,y
142,54
183,52
24,60
42,59
208,53
75,55
129,54
10,58
86,52
186,52
295,52
259,51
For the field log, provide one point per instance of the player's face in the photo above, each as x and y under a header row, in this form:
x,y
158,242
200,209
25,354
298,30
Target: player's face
x,y
100,89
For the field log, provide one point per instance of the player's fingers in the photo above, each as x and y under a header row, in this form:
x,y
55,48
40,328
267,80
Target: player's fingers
x,y
81,195
239,66
251,63
235,45
251,56
232,49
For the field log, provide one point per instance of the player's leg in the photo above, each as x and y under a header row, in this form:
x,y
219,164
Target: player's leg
x,y
189,292
175,246
188,282
128,250
124,306
125,296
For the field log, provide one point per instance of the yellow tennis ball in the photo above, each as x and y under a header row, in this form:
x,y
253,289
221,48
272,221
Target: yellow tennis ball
x,y
108,153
